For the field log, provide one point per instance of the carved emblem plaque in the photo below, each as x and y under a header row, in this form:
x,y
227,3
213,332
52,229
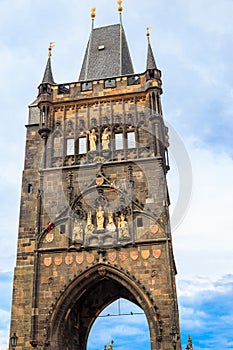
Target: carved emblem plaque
x,y
123,256
112,256
134,254
58,260
79,258
47,261
68,259
90,258
156,253
145,254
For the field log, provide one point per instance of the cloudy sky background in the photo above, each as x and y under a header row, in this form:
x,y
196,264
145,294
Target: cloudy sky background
x,y
192,42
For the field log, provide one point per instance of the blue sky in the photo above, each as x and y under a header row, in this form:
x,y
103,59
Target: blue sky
x,y
192,42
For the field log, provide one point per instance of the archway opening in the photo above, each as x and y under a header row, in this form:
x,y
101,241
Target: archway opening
x,y
123,322
83,301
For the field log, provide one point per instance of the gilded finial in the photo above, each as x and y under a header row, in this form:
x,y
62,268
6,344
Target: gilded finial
x,y
51,46
120,8
148,32
93,15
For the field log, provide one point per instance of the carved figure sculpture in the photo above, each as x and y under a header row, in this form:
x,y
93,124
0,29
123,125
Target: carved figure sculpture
x,y
92,140
123,227
77,234
105,139
100,218
111,227
110,345
89,226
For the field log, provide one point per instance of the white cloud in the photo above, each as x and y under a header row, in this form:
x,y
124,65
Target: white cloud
x,y
203,234
199,284
4,332
4,316
211,16
206,311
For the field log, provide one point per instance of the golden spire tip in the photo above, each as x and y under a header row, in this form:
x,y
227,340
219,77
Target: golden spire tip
x,y
93,14
120,8
51,46
148,32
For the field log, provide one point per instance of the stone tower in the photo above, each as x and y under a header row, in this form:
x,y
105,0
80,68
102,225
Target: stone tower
x,y
94,219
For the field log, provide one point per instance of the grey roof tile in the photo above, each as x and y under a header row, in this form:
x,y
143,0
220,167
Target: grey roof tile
x,y
103,57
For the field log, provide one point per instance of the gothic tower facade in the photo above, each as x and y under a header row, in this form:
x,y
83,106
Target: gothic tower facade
x,y
94,217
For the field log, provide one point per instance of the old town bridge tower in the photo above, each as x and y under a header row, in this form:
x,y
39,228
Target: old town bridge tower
x,y
94,218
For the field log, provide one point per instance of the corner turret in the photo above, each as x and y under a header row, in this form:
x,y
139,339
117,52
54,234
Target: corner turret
x,y
45,97
150,63
48,74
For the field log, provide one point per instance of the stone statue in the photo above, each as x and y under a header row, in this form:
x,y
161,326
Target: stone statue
x,y
100,218
110,345
77,234
92,140
123,227
111,227
89,226
105,139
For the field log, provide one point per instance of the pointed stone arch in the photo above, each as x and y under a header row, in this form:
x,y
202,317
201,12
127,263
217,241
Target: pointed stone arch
x,y
84,299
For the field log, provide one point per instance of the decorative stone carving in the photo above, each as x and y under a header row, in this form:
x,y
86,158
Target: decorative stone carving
x,y
47,261
102,271
92,139
123,228
156,253
58,260
112,256
111,227
89,229
110,345
90,258
49,237
68,259
145,254
154,228
134,254
100,218
79,258
123,256
77,234
105,139
154,273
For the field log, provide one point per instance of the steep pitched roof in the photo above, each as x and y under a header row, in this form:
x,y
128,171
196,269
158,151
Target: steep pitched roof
x,y
48,75
107,54
150,64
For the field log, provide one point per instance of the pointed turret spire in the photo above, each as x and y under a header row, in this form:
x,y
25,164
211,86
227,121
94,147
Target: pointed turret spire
x,y
150,63
48,75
